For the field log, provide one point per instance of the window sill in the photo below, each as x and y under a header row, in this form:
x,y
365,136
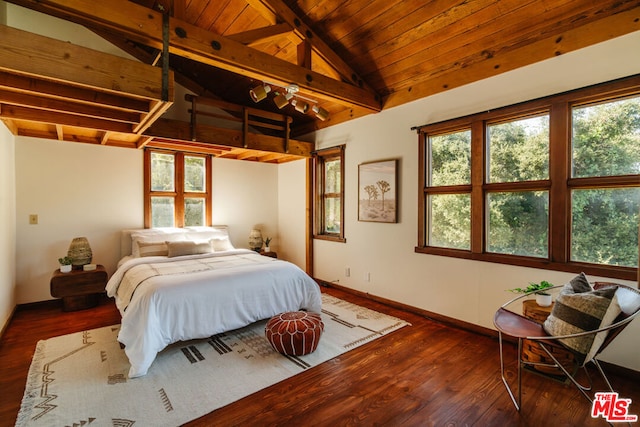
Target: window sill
x,y
609,271
330,238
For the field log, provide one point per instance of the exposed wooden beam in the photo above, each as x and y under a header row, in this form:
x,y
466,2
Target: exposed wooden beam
x,y
175,130
280,9
65,62
62,91
13,112
145,26
261,35
66,106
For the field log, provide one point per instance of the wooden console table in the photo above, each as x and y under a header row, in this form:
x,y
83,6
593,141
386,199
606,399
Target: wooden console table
x,y
79,289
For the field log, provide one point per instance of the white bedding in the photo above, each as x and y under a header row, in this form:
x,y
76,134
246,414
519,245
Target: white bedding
x,y
220,291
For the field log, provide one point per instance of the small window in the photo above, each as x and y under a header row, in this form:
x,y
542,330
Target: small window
x,y
178,193
329,199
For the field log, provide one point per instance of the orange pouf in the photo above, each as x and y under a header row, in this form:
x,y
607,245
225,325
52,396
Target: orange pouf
x,y
294,333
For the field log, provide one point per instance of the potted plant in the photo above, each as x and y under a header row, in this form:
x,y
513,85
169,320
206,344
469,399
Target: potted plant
x,y
65,264
266,244
543,298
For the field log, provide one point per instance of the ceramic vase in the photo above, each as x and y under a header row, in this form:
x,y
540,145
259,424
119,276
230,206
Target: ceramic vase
x,y
255,240
80,252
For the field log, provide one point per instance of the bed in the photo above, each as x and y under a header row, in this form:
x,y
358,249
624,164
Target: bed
x,y
179,284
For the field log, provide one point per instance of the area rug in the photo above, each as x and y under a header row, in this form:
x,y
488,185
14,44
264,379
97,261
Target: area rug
x,y
81,379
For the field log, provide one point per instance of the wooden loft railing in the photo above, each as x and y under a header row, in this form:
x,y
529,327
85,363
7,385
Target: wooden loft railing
x,y
273,124
227,130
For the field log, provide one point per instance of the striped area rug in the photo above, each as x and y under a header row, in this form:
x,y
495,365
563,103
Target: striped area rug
x,y
81,379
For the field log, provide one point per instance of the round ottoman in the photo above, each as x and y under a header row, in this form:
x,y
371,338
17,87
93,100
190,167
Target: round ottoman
x,y
294,333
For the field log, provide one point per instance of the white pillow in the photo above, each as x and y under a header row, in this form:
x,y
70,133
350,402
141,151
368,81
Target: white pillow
x,y
188,248
628,300
222,244
145,248
154,235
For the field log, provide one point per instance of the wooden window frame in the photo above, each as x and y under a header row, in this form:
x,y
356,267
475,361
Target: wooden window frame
x,y
179,194
319,159
559,183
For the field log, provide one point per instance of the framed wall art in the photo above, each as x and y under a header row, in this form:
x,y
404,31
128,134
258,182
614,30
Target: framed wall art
x,y
377,191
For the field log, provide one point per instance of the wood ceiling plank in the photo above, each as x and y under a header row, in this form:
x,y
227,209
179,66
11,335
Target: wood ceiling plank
x,y
144,25
576,38
489,42
229,16
210,14
64,62
395,28
454,28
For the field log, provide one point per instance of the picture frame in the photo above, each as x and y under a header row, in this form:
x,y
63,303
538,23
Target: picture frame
x,y
378,191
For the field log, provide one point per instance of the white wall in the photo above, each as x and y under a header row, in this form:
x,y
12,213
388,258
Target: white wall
x,y
7,225
49,26
76,190
245,196
96,191
292,213
463,289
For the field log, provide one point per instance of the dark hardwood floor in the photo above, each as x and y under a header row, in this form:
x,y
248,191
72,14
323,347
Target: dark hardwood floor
x,y
427,374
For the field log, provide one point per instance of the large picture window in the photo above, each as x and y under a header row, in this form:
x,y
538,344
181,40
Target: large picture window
x,y
177,189
329,194
552,183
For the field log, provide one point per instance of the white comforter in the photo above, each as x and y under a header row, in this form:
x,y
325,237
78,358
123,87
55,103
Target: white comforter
x,y
219,292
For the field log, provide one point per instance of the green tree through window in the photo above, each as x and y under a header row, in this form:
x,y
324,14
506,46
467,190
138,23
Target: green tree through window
x,y
496,188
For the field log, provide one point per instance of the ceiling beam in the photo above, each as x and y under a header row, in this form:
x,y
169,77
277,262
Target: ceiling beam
x,y
280,9
145,26
29,54
261,35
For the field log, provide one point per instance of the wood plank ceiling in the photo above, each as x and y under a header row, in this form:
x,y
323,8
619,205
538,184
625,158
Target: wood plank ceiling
x,y
349,57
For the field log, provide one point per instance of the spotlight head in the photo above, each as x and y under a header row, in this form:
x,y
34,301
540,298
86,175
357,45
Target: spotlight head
x,y
300,106
320,112
281,100
259,93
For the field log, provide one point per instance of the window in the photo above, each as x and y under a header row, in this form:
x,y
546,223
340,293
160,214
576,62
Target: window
x,y
329,194
552,183
518,209
177,189
449,192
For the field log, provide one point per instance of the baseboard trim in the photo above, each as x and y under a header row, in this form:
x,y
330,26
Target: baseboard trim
x,y
460,324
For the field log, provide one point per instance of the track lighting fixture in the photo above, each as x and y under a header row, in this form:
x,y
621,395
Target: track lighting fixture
x,y
259,93
300,106
281,100
289,94
321,113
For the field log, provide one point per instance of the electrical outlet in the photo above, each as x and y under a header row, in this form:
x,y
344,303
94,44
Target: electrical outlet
x,y
33,219
347,272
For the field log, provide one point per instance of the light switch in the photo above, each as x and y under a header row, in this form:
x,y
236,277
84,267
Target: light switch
x,y
33,219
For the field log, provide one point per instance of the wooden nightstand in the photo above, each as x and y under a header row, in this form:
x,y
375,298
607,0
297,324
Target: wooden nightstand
x,y
79,289
271,254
